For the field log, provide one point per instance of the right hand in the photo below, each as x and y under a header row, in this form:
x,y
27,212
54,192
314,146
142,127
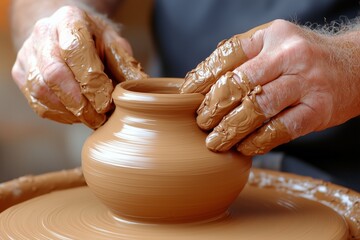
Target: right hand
x,y
275,83
60,67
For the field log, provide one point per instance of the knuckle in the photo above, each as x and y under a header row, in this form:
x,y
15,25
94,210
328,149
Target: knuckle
x,y
302,46
52,72
40,91
265,104
284,25
17,72
280,22
296,55
41,26
299,48
65,11
35,84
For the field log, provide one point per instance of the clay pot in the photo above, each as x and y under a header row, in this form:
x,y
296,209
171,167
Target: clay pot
x,y
149,161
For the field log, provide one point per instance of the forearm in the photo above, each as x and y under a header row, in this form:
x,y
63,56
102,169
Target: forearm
x,y
25,13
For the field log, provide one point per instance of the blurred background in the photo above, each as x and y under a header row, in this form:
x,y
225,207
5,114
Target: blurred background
x,y
32,145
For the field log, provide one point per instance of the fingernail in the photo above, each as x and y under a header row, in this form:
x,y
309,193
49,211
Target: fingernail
x,y
236,125
220,139
187,86
207,117
203,118
214,142
192,82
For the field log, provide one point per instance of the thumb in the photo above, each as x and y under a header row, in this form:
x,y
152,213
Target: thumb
x,y
252,41
119,60
115,51
271,53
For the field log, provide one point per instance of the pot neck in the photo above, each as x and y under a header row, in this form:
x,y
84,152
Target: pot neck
x,y
160,95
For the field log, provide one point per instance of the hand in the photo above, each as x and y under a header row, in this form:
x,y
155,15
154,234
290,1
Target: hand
x,y
60,66
276,83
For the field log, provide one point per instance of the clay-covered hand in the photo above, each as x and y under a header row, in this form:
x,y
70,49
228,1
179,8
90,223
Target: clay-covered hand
x,y
60,67
276,83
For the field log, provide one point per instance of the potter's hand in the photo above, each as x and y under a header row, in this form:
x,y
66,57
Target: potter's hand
x,y
276,83
60,66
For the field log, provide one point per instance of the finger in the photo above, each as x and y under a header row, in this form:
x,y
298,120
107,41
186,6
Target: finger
x,y
279,94
289,124
267,60
77,48
263,68
227,56
60,79
223,96
272,134
254,111
20,67
121,64
44,102
237,124
18,74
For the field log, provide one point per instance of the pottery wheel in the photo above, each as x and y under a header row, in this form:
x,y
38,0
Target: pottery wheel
x,y
258,213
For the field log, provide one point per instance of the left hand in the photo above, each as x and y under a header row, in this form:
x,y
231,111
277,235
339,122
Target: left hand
x,y
275,83
68,65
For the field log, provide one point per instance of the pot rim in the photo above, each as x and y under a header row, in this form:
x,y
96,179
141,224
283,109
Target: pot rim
x,y
155,91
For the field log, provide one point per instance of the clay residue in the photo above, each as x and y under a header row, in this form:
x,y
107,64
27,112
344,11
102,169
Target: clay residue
x,y
272,134
82,57
26,187
224,96
49,107
226,92
228,55
84,61
231,95
345,201
121,65
88,70
237,124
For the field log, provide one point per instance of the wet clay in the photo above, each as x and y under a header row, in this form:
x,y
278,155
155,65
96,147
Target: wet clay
x,y
256,214
83,60
226,94
149,163
343,200
237,124
230,107
231,95
273,205
273,133
228,55
26,187
88,69
84,52
45,107
122,66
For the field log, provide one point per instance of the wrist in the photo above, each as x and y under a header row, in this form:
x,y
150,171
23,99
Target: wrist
x,y
345,59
